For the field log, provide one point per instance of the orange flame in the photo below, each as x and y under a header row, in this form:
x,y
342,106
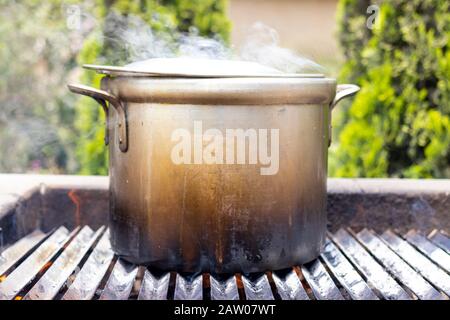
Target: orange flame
x,y
2,278
18,298
77,203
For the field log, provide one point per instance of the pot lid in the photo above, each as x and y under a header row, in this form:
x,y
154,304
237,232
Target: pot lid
x,y
197,68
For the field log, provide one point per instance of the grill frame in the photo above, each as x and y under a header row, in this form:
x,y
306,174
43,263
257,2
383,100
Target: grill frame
x,y
363,208
347,269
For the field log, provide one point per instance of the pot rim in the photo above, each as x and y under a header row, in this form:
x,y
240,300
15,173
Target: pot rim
x,y
226,91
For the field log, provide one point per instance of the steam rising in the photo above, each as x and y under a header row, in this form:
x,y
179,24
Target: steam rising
x,y
137,42
134,40
262,45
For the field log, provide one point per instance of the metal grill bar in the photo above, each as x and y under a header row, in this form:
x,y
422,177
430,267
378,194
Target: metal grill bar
x,y
189,288
89,277
399,268
49,284
257,287
120,282
346,274
224,288
375,274
351,266
429,249
13,254
27,270
425,267
154,288
321,282
441,240
289,286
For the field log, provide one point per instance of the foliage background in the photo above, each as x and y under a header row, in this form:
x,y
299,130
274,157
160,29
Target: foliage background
x,y
399,123
36,52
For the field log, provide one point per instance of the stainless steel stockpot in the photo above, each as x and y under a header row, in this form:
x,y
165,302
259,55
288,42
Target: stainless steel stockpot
x,y
220,216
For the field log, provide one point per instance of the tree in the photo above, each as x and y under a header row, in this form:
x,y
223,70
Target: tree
x,y
166,18
399,123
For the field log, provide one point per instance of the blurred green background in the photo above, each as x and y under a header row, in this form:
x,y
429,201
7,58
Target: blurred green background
x,y
398,125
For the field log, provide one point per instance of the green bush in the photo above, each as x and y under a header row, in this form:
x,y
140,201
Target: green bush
x,y
399,123
166,18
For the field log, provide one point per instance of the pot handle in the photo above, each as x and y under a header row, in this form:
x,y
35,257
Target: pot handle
x,y
101,97
342,91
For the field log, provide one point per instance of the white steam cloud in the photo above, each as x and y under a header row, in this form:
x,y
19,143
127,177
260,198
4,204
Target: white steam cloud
x,y
136,40
262,45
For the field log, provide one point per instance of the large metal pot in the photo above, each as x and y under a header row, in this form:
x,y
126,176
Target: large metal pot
x,y
217,217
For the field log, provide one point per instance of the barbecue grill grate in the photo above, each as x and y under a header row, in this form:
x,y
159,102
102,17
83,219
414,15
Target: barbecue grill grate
x,y
364,265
